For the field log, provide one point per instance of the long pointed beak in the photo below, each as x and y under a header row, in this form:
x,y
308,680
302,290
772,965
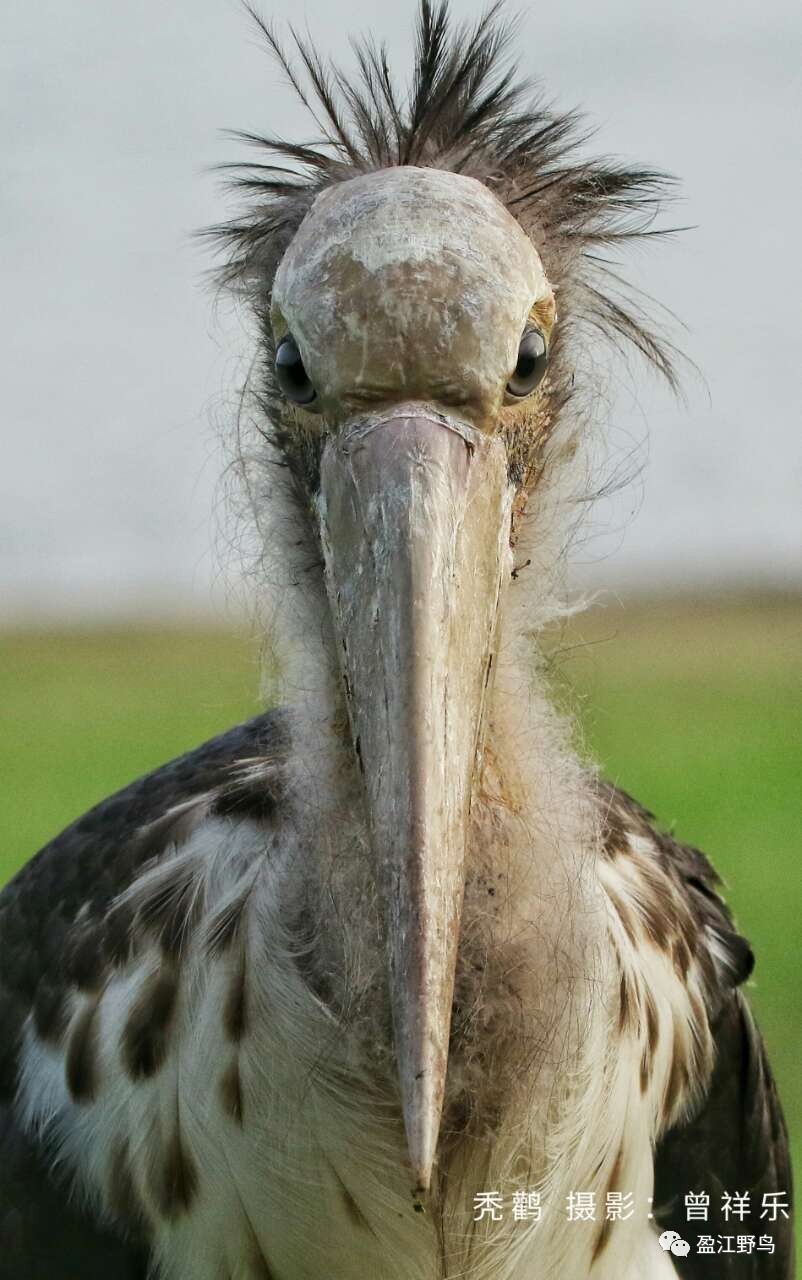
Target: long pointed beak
x,y
415,520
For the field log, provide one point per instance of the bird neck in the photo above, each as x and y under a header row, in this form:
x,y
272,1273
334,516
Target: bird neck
x,y
527,762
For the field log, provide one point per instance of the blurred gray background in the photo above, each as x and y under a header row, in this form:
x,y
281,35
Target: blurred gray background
x,y
117,373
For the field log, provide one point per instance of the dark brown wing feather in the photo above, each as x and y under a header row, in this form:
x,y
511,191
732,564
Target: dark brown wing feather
x,y
737,1140
44,1234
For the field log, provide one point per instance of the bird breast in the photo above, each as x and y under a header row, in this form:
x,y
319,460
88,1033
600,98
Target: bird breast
x,y
228,1088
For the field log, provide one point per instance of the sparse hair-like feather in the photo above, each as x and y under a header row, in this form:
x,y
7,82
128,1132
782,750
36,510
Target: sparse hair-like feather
x,y
465,110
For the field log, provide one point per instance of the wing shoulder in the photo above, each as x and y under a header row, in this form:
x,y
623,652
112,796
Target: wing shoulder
x,y
54,915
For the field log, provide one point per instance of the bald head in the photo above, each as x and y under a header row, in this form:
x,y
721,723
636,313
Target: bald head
x,y
408,283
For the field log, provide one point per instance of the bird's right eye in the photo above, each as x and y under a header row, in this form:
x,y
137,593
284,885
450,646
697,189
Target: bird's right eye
x,y
291,374
533,360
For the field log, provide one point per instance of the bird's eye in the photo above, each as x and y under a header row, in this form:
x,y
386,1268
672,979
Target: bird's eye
x,y
533,358
291,374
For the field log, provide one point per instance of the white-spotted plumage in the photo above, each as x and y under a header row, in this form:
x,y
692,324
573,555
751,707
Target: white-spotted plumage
x,y
310,1178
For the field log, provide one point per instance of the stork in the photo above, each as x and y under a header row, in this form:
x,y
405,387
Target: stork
x,y
335,993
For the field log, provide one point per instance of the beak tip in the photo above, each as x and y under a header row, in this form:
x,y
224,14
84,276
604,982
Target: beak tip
x,y
421,1186
423,1131
421,1177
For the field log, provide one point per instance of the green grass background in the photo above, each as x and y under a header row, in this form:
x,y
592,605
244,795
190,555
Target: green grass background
x,y
696,708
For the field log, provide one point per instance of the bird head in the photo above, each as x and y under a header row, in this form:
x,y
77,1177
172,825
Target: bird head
x,y
416,282
411,284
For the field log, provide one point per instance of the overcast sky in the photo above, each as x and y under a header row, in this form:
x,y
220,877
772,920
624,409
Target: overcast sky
x,y
117,375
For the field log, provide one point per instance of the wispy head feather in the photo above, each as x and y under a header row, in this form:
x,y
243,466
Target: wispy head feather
x,y
465,110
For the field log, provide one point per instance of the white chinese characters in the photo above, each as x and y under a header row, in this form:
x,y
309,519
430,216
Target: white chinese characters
x,y
619,1206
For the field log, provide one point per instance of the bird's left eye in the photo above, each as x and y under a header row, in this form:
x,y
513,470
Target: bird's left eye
x,y
533,359
291,374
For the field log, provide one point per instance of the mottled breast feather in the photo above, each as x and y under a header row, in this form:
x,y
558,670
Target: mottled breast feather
x,y
59,929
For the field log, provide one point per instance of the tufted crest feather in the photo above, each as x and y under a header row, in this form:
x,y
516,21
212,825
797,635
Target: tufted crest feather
x,y
465,110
